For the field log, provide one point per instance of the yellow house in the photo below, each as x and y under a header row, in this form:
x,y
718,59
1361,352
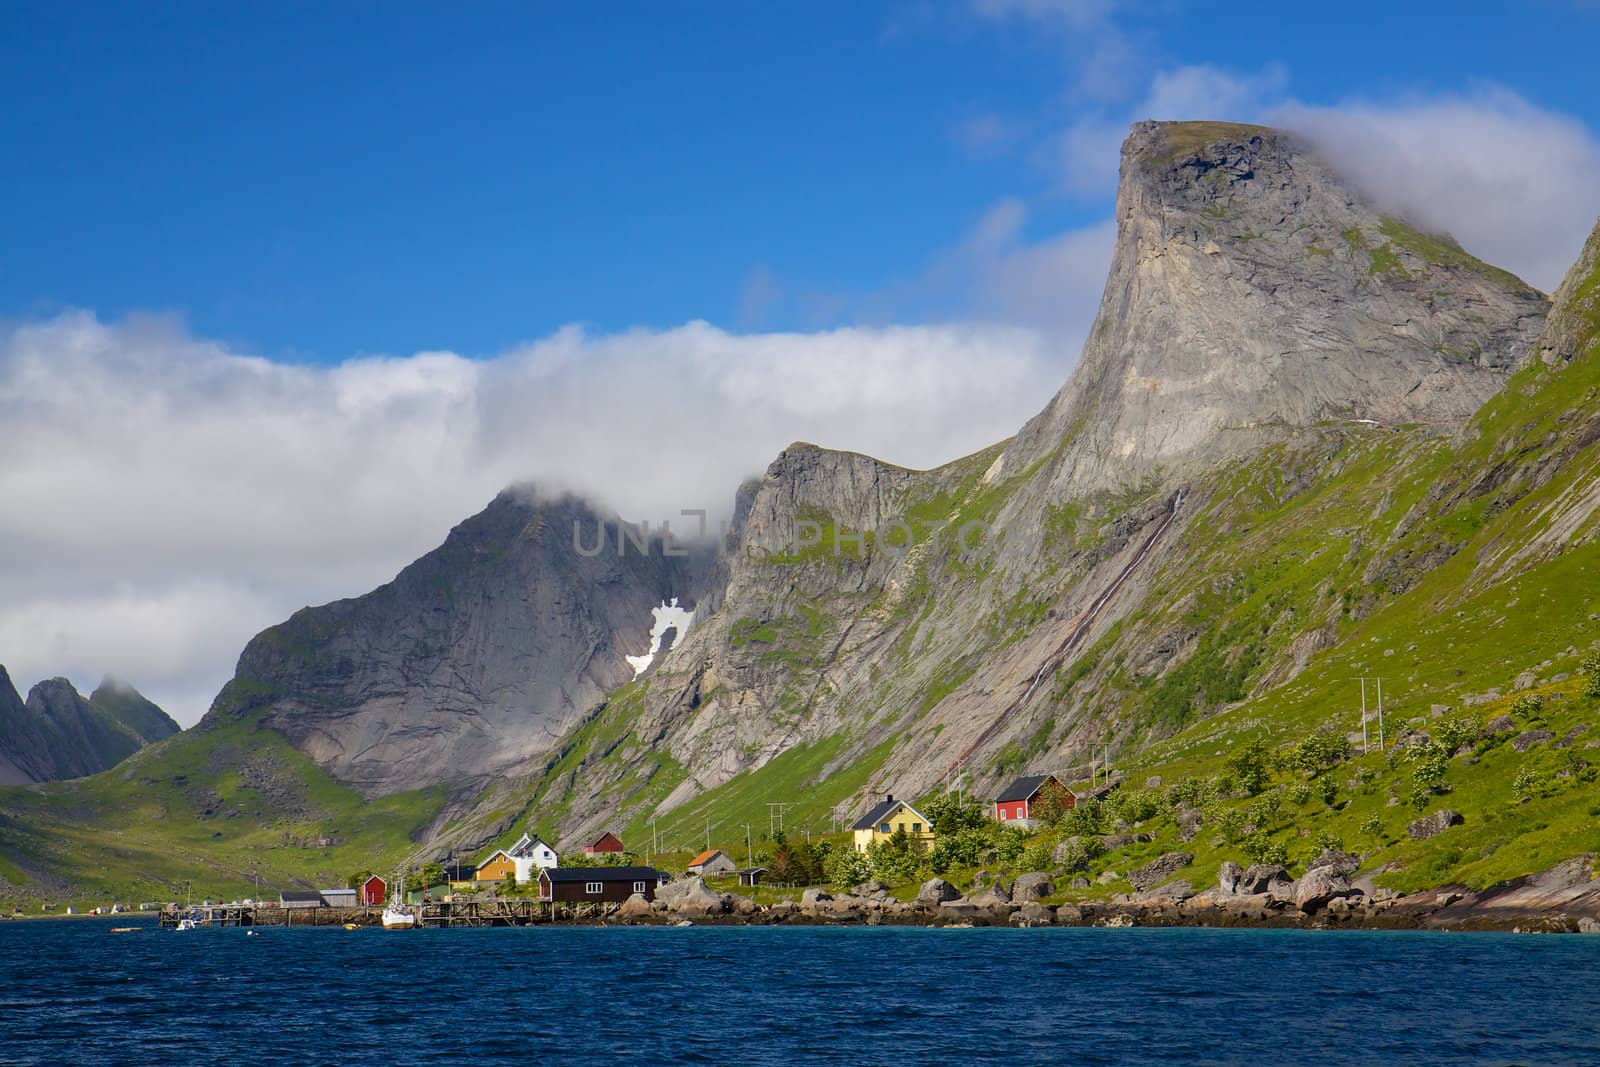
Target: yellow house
x,y
496,867
887,817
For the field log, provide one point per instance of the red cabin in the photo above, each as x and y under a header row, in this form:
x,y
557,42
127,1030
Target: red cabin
x,y
1015,804
607,842
374,891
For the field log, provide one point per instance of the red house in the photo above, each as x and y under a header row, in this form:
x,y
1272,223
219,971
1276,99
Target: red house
x,y
607,842
374,891
1015,803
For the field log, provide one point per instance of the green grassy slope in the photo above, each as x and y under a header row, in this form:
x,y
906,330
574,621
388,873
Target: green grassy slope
x,y
210,809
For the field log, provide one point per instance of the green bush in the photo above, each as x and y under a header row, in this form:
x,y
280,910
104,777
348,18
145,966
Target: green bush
x,y
1248,768
1036,857
1261,849
1590,669
949,814
1134,805
1317,753
1527,706
849,867
1299,793
1372,827
1452,734
1328,790
1087,817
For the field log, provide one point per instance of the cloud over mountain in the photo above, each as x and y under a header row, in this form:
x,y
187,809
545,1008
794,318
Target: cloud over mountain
x,y
168,497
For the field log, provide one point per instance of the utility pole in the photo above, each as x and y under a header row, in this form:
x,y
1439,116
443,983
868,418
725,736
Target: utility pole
x,y
749,849
1380,715
708,833
1363,716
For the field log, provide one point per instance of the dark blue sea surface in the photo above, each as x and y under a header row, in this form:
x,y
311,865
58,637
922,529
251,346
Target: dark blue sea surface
x,y
72,992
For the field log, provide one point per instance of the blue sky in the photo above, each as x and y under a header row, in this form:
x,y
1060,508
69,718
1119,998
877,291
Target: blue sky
x,y
388,178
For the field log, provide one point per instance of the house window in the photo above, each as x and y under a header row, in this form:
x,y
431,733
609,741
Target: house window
x,y
594,887
638,887
916,828
883,828
1004,814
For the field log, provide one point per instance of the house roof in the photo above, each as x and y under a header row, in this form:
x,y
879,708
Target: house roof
x,y
490,858
299,896
526,845
1024,788
601,874
461,872
606,842
875,816
705,857
375,878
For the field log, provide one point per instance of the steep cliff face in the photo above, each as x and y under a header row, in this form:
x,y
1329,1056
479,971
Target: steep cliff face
x,y
1253,291
58,734
1266,342
478,656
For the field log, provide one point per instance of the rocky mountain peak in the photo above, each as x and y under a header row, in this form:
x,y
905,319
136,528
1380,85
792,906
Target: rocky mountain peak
x,y
57,734
1574,326
1254,290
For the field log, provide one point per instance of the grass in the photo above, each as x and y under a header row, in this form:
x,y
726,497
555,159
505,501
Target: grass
x,y
165,820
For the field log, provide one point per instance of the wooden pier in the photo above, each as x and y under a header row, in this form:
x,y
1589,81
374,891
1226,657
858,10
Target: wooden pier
x,y
434,914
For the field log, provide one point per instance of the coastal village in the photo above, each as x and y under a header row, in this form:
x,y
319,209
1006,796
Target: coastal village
x,y
942,860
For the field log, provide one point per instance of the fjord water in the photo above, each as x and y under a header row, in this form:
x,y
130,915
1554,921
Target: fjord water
x,y
72,992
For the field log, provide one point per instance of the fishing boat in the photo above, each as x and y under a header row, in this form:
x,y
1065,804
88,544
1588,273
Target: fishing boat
x,y
396,914
187,923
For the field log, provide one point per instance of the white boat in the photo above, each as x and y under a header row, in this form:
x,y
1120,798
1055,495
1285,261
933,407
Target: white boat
x,y
187,924
396,915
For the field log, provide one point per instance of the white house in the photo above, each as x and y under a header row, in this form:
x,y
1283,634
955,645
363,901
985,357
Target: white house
x,y
531,856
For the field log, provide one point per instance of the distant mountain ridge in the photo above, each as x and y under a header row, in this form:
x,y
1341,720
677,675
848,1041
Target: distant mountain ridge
x,y
58,734
475,658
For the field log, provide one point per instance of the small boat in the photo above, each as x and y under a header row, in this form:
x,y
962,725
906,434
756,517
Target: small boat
x,y
187,924
396,915
125,929
352,926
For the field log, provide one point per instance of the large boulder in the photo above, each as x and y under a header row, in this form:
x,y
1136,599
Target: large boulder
x,y
812,897
1228,876
1111,842
1034,886
1261,877
936,891
1343,863
697,899
1159,870
1033,914
635,908
1528,738
871,888
682,887
1176,890
990,897
1433,825
1318,886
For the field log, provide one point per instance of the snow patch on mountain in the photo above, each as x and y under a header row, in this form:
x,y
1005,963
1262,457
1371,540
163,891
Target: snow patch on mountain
x,y
667,616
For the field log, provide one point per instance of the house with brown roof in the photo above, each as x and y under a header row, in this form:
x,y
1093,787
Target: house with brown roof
x,y
712,861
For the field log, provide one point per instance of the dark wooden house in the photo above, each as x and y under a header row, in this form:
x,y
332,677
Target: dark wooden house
x,y
591,884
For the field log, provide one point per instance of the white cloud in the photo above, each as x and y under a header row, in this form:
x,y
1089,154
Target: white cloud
x,y
1514,183
166,498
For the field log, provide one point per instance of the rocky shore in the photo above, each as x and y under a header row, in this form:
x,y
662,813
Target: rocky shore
x,y
1564,899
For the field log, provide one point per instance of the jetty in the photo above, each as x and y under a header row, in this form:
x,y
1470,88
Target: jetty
x,y
432,914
